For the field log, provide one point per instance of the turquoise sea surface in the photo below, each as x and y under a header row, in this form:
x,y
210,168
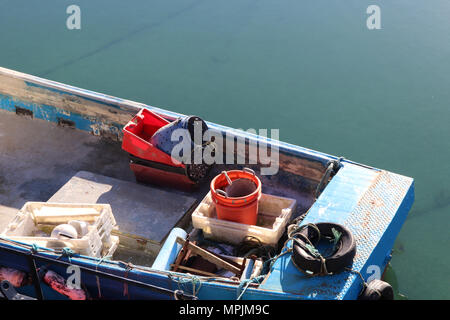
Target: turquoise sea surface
x,y
310,68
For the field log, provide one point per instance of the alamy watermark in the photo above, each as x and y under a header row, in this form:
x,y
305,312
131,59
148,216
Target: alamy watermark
x,y
213,147
74,280
373,22
74,19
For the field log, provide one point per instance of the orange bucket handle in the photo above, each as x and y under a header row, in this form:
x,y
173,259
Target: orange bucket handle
x,y
249,171
222,193
227,177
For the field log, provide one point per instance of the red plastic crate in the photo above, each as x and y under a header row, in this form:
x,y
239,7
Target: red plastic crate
x,y
136,136
149,164
160,177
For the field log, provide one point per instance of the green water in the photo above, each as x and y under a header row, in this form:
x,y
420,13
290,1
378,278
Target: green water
x,y
310,68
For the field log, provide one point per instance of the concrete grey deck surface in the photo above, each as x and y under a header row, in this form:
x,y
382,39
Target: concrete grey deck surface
x,y
38,157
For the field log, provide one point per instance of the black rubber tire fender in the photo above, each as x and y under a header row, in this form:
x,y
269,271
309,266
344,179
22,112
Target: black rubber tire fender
x,y
335,263
377,290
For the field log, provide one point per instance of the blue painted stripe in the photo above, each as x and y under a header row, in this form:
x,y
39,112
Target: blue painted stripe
x,y
53,114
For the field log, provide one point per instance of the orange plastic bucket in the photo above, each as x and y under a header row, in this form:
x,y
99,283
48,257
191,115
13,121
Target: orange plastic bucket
x,y
236,194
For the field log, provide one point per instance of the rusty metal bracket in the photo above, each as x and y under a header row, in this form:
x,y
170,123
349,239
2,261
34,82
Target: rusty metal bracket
x,y
8,292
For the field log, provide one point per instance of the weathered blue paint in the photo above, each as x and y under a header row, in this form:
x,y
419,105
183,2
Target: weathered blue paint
x,y
54,114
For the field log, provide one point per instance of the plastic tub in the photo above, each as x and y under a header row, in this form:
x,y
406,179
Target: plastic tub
x,y
241,209
97,242
274,213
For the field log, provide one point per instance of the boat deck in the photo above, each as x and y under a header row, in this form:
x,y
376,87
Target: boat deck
x,y
41,152
39,157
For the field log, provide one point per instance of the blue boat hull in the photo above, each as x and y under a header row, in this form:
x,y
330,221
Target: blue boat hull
x,y
372,203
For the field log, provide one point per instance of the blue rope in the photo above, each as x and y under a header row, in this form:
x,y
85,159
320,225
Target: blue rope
x,y
34,248
246,283
183,281
67,252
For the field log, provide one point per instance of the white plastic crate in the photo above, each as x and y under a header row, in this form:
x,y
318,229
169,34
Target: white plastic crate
x,y
31,222
274,214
